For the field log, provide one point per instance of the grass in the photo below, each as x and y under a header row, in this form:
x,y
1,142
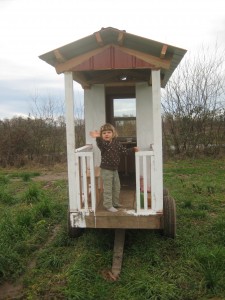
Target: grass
x,y
33,229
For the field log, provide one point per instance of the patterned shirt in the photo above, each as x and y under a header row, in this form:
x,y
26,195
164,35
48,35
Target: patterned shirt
x,y
111,152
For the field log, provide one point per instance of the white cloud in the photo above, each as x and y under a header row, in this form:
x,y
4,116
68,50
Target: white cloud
x,y
31,28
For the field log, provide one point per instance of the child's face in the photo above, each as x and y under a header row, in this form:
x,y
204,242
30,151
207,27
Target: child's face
x,y
107,135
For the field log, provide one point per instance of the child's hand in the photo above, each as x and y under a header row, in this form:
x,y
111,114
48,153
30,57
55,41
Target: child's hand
x,y
136,149
94,133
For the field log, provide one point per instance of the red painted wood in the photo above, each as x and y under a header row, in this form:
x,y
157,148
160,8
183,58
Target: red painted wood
x,y
112,58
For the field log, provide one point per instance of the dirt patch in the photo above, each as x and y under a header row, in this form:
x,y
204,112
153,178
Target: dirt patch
x,y
109,276
52,177
10,291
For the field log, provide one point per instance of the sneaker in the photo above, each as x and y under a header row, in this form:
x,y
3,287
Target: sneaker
x,y
118,205
112,209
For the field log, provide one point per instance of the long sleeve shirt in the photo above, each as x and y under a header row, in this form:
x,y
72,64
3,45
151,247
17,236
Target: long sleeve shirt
x,y
111,153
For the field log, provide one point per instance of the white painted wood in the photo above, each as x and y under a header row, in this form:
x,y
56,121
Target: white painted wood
x,y
84,148
138,188
153,199
94,114
157,179
70,136
84,182
142,160
78,191
144,115
145,182
93,185
85,160
144,120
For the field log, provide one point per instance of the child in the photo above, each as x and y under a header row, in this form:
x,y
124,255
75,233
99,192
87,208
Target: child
x,y
111,151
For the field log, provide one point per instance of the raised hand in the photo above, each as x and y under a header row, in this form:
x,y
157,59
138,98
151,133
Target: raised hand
x,y
94,133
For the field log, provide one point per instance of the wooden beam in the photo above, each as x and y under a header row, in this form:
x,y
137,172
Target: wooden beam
x,y
80,78
70,64
59,57
125,221
120,38
123,84
163,51
157,62
99,39
118,252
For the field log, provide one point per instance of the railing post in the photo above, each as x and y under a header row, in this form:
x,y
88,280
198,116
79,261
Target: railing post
x,y
70,137
147,158
138,188
84,158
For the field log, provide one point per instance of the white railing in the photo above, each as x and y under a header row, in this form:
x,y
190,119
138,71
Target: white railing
x,y
144,188
85,185
85,178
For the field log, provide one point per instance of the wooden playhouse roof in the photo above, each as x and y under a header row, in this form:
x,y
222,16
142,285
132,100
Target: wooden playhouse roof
x,y
115,58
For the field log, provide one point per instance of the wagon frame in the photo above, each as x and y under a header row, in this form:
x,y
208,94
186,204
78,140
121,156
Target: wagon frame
x,y
110,64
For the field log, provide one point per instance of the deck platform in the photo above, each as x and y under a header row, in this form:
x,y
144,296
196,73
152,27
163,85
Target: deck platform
x,y
126,217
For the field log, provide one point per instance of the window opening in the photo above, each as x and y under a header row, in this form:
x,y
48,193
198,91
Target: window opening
x,y
124,115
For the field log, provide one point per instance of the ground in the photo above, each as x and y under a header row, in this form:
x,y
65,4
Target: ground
x,y
15,291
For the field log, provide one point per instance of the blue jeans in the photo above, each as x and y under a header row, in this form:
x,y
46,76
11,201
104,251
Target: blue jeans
x,y
111,187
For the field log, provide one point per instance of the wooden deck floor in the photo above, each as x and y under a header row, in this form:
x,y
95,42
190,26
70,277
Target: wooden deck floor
x,y
126,217
127,200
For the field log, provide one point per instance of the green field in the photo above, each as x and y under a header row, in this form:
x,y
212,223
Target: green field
x,y
39,261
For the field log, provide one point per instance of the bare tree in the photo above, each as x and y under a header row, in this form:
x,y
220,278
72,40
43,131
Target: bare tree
x,y
193,104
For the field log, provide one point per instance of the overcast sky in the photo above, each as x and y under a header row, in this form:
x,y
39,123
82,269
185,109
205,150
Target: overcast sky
x,y
29,28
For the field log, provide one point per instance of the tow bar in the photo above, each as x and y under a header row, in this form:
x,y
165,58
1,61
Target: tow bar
x,y
118,252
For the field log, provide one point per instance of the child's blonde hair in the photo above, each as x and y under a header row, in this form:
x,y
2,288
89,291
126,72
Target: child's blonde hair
x,y
108,127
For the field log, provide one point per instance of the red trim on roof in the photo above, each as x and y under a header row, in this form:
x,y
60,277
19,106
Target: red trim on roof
x,y
112,58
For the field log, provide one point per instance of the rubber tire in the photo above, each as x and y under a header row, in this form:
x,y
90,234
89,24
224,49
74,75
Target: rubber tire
x,y
165,192
73,232
169,214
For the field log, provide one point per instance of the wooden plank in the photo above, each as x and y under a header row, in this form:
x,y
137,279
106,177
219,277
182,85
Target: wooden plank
x,y
99,38
81,78
154,61
163,51
157,62
70,135
120,220
59,57
125,218
118,251
70,64
120,38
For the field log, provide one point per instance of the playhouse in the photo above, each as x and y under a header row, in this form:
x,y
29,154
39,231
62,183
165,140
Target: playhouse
x,y
118,70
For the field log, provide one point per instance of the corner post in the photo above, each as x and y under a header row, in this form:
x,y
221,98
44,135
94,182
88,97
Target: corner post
x,y
157,137
70,137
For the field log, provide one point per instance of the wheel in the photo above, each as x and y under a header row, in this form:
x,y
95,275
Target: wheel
x,y
73,232
169,214
165,192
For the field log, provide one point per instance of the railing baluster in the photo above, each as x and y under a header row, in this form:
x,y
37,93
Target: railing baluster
x,y
142,159
78,182
145,181
84,159
84,178
138,188
92,181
